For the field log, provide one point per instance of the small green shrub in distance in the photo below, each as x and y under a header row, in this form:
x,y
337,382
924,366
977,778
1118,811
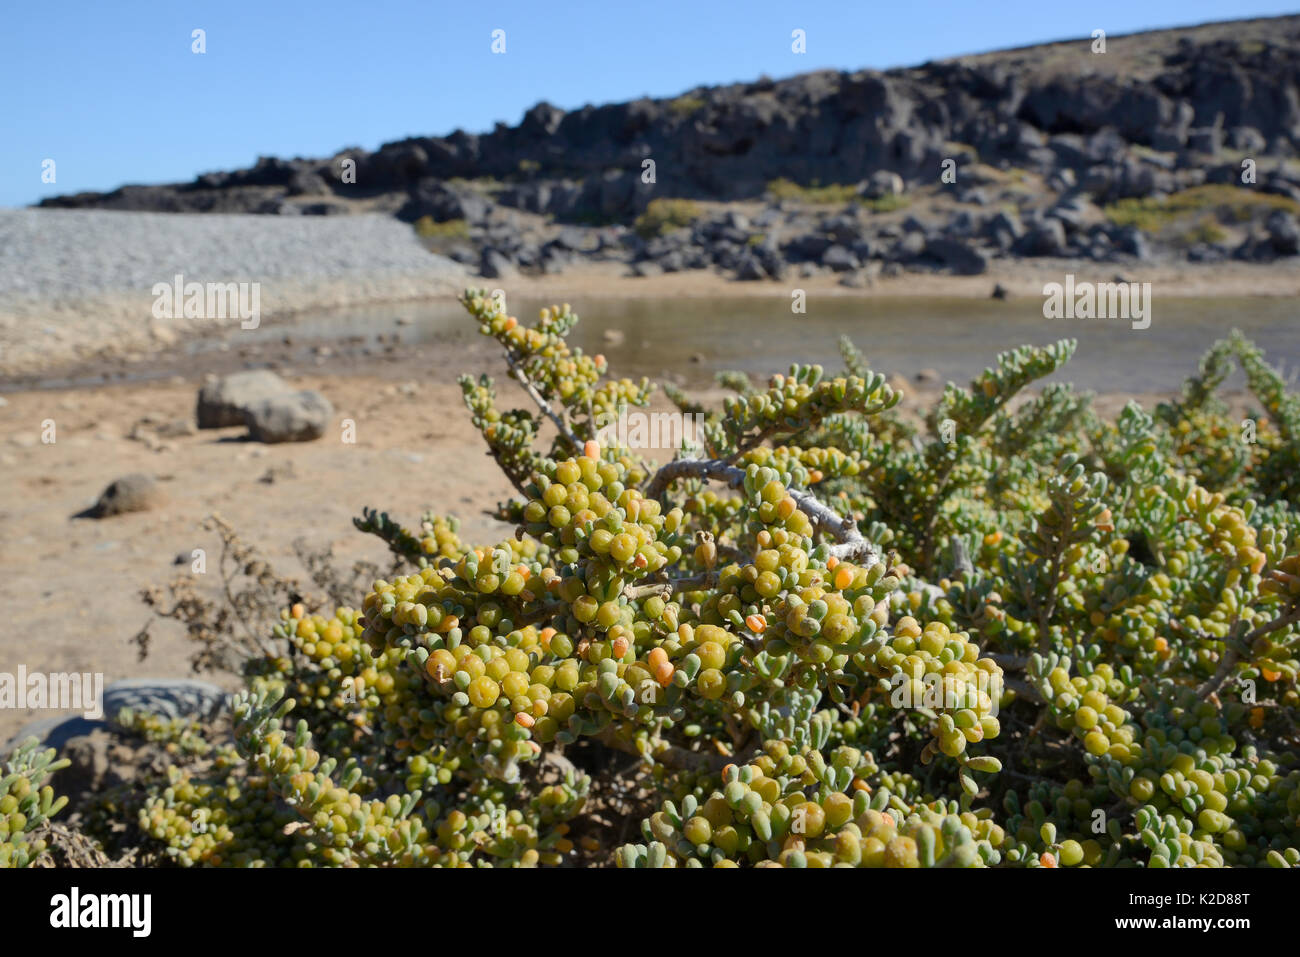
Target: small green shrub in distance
x,y
836,194
832,195
1016,634
887,204
427,228
686,105
1206,230
1221,201
664,215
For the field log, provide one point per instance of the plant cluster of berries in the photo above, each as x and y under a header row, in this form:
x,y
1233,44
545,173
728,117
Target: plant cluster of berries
x,y
1008,633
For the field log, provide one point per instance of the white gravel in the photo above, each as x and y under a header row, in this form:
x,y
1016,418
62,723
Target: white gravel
x,y
74,283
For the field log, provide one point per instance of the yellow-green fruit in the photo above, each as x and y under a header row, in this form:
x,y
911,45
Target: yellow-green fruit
x,y
1096,743
711,683
901,852
808,819
1071,853
483,692
697,830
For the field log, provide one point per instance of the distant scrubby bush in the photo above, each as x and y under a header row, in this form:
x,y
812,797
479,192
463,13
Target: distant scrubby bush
x,y
427,228
664,215
1212,201
833,194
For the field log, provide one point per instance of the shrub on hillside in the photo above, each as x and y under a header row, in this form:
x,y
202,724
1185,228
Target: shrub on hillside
x,y
662,216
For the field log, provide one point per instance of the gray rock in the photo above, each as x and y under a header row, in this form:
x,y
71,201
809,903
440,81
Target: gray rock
x,y
1062,180
882,183
1283,233
443,203
131,493
52,732
737,221
1004,229
910,246
495,264
749,268
1206,139
554,259
673,261
807,248
1248,140
844,229
1071,212
296,417
1132,242
223,402
170,698
577,240
1206,253
839,259
962,258
769,257
1045,239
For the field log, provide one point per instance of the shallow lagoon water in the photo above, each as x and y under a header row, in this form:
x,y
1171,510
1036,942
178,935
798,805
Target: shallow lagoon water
x,y
690,339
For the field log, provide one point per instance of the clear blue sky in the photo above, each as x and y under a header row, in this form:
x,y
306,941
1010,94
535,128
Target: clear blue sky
x,y
111,91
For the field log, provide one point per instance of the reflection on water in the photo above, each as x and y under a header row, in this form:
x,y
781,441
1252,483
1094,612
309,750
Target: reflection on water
x,y
694,337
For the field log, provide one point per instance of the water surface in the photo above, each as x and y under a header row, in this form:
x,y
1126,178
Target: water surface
x,y
691,339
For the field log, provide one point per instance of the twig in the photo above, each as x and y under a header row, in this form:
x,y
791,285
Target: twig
x,y
667,588
852,545
1232,654
560,423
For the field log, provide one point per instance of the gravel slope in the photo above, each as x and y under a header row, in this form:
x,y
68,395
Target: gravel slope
x,y
76,283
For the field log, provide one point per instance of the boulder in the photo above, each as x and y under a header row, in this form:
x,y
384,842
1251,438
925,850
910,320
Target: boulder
x,y
962,258
168,697
1205,139
808,247
750,269
1045,239
131,493
1283,233
294,417
495,264
839,259
442,203
223,401
1132,242
880,184
1004,229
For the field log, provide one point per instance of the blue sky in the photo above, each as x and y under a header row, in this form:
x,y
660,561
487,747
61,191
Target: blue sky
x,y
113,94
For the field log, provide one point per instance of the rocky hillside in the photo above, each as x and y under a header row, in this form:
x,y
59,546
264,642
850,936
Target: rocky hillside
x,y
1052,150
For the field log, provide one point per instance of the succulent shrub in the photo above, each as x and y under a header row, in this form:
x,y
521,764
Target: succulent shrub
x,y
1013,634
26,802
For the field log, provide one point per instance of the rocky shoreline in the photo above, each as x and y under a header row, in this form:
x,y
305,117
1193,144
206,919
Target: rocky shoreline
x,y
1170,146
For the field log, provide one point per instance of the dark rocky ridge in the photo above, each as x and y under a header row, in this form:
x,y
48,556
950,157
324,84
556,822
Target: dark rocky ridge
x,y
1157,113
